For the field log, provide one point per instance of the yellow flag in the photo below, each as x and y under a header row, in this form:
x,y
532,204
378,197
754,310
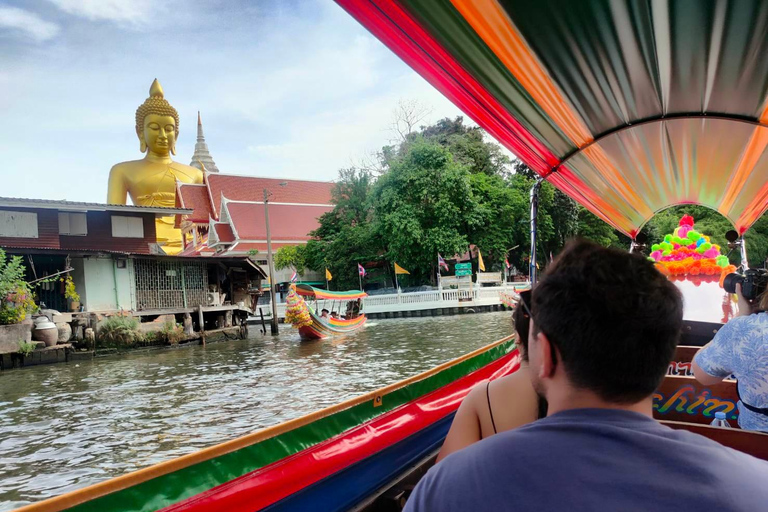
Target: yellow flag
x,y
328,275
400,270
480,263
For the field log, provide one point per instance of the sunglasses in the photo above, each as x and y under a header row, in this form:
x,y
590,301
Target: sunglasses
x,y
525,297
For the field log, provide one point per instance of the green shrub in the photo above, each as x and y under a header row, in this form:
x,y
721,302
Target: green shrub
x,y
150,338
119,331
172,332
70,292
26,348
16,297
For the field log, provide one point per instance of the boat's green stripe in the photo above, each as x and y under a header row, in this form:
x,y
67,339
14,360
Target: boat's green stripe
x,y
185,483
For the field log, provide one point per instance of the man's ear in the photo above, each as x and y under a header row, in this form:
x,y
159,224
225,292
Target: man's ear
x,y
545,348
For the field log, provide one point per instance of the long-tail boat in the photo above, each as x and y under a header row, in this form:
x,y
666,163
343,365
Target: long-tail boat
x,y
312,326
627,107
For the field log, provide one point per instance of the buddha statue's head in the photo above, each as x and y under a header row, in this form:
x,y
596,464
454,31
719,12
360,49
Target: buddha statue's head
x,y
157,123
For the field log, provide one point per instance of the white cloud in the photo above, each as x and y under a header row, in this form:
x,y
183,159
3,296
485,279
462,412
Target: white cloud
x,y
126,11
28,23
297,92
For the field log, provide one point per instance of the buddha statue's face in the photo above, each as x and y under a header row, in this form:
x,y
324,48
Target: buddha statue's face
x,y
160,134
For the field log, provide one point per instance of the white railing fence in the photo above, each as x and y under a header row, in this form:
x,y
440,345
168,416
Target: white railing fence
x,y
417,301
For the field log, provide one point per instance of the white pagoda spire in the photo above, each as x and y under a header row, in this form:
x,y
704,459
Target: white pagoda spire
x,y
202,157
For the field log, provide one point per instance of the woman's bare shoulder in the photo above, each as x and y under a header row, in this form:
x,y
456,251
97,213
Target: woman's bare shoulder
x,y
518,381
476,397
514,400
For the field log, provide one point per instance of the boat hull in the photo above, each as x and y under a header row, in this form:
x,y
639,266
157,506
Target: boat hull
x,y
319,329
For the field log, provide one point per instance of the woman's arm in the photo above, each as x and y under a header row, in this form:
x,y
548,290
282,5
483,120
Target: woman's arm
x,y
465,429
703,377
714,361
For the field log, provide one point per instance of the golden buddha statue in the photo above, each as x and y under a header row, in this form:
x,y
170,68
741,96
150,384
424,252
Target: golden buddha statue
x,y
151,181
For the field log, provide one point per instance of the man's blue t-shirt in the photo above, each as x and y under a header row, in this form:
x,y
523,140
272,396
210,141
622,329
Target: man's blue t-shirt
x,y
740,348
590,460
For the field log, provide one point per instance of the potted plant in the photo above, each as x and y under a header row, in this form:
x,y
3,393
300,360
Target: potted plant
x,y
71,293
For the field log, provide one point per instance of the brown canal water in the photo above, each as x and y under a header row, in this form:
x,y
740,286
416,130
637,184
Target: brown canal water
x,y
66,426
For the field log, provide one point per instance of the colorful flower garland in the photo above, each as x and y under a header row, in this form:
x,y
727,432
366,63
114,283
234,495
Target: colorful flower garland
x,y
296,311
686,252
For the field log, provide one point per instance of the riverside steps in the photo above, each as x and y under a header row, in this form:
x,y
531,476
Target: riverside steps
x,y
437,302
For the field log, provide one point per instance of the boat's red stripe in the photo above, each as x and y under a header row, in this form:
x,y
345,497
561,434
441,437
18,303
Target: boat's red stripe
x,y
280,479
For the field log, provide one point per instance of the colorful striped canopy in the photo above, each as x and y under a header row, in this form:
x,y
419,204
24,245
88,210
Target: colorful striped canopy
x,y
627,106
310,291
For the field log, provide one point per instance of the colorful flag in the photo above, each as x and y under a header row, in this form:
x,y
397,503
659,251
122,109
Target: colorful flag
x,y
328,275
480,263
506,262
400,270
294,277
441,263
360,270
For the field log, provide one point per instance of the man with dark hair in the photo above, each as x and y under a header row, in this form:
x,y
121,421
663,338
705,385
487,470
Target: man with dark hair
x,y
604,327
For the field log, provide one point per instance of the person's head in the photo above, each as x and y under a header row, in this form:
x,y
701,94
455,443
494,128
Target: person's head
x,y
334,314
762,301
157,123
522,321
604,321
324,312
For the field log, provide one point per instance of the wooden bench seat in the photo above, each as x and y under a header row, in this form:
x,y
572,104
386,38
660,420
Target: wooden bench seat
x,y
681,398
752,443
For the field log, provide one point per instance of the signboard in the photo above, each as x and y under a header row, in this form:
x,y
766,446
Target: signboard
x,y
463,272
463,266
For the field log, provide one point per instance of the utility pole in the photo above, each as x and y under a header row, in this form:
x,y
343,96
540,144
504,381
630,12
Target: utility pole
x,y
272,284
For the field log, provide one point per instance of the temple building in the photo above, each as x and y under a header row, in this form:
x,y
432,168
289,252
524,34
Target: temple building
x,y
228,213
202,158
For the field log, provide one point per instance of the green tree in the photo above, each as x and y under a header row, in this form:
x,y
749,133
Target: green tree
x,y
468,146
346,234
593,228
291,256
424,205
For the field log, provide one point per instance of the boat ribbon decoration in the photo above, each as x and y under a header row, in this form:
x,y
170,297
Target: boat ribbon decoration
x,y
687,252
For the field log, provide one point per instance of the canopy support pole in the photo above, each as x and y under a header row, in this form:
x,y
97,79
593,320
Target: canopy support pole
x,y
534,214
743,251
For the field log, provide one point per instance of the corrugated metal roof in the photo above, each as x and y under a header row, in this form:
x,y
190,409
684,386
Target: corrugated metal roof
x,y
19,202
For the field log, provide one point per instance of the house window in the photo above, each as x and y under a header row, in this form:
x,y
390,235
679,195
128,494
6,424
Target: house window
x,y
18,224
127,227
71,223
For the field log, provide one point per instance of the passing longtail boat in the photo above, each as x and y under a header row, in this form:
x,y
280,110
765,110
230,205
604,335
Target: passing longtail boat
x,y
621,105
312,326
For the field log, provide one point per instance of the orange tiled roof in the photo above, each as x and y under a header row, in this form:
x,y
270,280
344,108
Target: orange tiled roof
x,y
224,232
196,198
245,247
251,188
289,223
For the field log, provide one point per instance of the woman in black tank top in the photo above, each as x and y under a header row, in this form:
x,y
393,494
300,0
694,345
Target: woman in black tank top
x,y
516,403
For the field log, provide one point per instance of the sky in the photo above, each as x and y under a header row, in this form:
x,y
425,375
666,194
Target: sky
x,y
291,89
